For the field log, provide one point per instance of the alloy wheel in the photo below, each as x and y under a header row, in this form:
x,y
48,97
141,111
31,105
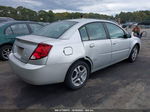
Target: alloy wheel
x,y
79,75
134,54
6,52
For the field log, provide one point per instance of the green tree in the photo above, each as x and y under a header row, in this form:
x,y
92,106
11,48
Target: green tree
x,y
26,14
22,13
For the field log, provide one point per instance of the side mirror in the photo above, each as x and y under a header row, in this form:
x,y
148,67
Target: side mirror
x,y
127,36
143,34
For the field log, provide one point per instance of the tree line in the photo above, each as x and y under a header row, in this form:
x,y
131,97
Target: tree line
x,y
22,13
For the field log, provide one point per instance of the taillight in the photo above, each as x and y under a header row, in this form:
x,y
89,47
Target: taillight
x,y
41,51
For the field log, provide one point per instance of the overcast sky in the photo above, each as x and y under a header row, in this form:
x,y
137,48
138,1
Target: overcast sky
x,y
110,7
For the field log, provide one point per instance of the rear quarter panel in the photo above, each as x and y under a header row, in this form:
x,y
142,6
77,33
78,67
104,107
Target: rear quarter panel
x,y
57,51
58,57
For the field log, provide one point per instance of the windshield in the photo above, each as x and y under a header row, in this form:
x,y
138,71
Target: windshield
x,y
55,30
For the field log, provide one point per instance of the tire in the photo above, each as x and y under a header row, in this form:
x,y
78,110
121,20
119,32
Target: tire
x,y
77,75
133,54
4,52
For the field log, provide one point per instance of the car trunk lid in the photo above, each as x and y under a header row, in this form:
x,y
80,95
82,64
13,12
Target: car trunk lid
x,y
24,46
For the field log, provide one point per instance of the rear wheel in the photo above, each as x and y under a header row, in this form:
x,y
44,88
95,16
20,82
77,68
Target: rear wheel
x,y
77,75
133,54
4,52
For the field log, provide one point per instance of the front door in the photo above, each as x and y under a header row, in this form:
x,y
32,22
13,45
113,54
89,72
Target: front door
x,y
120,45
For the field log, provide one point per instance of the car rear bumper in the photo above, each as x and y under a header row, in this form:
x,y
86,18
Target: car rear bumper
x,y
38,74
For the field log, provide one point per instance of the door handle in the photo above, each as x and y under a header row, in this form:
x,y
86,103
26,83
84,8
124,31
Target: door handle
x,y
92,45
114,43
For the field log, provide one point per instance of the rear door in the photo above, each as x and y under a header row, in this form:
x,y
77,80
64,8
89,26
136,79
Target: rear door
x,y
96,44
120,45
14,30
20,29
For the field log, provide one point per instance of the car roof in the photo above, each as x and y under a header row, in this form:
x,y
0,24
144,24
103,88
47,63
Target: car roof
x,y
84,20
9,22
6,18
13,22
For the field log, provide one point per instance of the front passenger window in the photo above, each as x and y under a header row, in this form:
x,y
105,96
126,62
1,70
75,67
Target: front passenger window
x,y
114,31
35,27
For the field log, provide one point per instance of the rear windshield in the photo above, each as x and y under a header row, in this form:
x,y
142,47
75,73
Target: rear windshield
x,y
55,30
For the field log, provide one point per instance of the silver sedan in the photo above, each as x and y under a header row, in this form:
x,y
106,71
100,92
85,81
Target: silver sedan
x,y
70,50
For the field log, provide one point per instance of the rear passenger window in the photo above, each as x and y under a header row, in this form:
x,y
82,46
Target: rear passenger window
x,y
8,31
20,29
83,33
35,27
96,31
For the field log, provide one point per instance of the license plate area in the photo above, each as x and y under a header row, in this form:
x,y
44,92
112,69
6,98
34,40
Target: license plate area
x,y
20,50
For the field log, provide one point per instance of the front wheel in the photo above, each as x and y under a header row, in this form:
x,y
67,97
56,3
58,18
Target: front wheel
x,y
4,52
77,75
133,54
